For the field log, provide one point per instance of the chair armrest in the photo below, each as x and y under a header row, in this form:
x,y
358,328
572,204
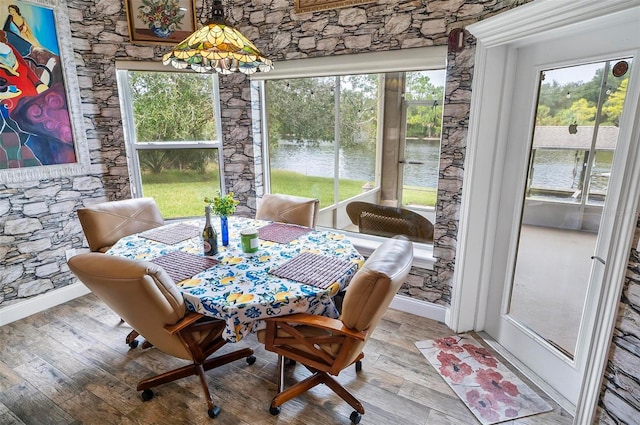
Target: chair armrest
x,y
322,322
186,321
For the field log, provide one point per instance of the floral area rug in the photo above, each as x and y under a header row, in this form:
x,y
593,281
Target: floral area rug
x,y
491,391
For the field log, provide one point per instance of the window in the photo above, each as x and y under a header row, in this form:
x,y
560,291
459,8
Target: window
x,y
173,140
576,132
348,136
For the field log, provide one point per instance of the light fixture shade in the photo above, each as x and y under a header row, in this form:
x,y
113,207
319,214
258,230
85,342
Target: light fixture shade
x,y
220,47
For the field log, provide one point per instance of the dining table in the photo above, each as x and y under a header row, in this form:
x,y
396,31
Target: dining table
x,y
294,270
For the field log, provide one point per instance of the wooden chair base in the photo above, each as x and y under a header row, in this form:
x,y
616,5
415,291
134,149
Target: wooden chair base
x,y
318,377
195,369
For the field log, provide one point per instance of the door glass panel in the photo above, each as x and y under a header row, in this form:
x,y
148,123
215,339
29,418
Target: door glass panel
x,y
424,95
573,142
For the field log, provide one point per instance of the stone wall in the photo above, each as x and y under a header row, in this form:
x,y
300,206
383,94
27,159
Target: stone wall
x,y
620,398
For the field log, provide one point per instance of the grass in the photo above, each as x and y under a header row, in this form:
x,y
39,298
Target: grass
x,y
181,193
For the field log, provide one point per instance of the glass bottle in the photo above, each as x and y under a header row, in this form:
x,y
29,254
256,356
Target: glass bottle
x,y
209,235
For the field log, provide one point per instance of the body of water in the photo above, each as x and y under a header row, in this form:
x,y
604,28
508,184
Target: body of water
x,y
356,164
553,169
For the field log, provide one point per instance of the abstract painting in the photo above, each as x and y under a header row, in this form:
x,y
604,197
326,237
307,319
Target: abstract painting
x,y
36,123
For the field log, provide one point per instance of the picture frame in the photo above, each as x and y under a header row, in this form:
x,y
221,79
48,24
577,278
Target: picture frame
x,y
42,132
305,6
177,19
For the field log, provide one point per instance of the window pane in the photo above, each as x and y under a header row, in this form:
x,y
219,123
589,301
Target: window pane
x,y
301,118
358,134
173,106
424,93
179,179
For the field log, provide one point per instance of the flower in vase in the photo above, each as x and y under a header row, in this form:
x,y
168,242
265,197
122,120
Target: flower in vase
x,y
222,206
163,15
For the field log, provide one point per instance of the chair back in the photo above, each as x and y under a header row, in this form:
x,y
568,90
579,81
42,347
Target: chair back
x,y
105,223
381,220
373,287
288,209
140,292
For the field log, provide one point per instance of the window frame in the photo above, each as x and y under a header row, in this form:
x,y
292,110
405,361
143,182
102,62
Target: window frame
x,y
404,60
131,143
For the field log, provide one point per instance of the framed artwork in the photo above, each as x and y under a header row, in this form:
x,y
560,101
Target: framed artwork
x,y
160,21
302,6
41,122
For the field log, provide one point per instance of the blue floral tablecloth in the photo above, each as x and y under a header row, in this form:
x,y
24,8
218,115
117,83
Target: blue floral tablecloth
x,y
239,289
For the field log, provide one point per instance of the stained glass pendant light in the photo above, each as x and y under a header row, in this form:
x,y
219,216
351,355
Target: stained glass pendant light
x,y
218,46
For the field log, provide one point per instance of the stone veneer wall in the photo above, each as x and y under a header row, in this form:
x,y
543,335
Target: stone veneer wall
x,y
620,399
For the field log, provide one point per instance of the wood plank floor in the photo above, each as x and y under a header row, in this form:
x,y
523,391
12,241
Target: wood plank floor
x,y
69,365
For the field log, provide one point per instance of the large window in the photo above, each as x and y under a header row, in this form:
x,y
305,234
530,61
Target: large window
x,y
172,137
357,137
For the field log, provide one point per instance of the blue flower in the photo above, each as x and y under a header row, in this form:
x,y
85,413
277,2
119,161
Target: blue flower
x,y
253,313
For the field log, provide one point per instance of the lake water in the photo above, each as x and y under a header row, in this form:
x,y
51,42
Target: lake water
x,y
554,169
355,164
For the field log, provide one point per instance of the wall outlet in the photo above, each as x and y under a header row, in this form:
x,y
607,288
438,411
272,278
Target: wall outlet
x,y
70,253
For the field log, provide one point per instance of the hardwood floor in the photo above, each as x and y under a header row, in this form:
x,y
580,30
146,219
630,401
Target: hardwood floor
x,y
69,365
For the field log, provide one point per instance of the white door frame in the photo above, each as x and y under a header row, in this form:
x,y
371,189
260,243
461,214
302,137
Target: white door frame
x,y
491,94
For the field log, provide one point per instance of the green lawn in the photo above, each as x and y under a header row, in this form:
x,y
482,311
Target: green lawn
x,y
181,193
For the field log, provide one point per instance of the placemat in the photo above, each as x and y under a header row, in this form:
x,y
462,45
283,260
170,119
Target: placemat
x,y
181,265
171,235
313,269
281,233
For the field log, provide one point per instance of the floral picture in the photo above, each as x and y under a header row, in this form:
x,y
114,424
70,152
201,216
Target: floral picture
x,y
160,21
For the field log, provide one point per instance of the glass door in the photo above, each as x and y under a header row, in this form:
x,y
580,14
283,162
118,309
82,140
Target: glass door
x,y
557,181
573,143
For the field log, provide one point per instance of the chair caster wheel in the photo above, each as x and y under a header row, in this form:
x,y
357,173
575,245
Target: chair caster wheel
x,y
251,360
133,344
275,411
358,365
146,395
213,412
355,417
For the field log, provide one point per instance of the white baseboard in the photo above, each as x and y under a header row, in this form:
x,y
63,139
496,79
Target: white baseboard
x,y
41,302
419,308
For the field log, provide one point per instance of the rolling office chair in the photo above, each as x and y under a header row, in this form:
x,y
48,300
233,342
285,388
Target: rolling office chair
x,y
326,346
106,223
288,209
145,296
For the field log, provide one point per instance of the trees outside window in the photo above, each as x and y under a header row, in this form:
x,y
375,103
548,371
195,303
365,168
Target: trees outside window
x,y
173,138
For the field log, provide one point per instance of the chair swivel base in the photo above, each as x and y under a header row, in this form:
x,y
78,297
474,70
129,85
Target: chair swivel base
x,y
318,378
195,369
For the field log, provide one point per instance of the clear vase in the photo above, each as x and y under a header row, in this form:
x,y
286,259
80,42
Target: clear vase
x,y
224,226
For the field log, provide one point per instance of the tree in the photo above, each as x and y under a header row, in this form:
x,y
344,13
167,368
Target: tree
x,y
173,107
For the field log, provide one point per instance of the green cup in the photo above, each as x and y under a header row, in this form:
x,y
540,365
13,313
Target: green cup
x,y
249,238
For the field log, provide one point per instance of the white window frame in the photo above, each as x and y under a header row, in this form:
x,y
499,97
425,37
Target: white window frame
x,y
133,146
404,60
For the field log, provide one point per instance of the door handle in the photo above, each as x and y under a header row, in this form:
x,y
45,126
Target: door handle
x,y
402,161
595,257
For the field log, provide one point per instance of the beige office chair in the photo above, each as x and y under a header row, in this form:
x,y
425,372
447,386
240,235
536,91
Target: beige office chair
x,y
105,223
381,220
145,296
288,209
327,346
